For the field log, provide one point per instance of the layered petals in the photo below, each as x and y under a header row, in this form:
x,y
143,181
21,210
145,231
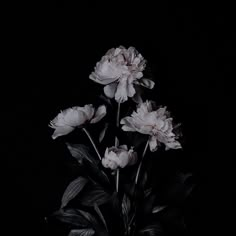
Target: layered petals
x,y
119,157
67,120
155,123
119,70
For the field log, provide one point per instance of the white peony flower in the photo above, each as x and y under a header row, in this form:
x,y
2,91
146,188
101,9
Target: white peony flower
x,y
157,124
119,157
66,121
120,69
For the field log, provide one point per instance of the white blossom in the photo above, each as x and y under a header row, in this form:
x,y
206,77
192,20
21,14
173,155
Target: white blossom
x,y
116,157
120,70
67,120
157,124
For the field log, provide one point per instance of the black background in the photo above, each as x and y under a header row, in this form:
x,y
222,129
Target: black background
x,y
189,51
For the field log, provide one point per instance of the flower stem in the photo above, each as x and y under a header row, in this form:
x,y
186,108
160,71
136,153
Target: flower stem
x,y
140,164
92,142
135,187
116,144
117,179
117,123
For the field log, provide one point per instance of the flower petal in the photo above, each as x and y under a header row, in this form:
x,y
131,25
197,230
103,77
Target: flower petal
x,y
137,96
127,123
173,145
147,83
89,111
123,159
100,113
161,112
62,130
131,91
97,79
110,90
153,144
124,147
133,157
121,94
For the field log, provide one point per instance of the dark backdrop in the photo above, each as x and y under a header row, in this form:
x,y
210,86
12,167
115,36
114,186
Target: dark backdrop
x,y
189,52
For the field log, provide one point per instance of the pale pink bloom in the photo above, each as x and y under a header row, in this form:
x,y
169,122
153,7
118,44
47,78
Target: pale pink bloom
x,y
116,157
67,120
120,70
157,124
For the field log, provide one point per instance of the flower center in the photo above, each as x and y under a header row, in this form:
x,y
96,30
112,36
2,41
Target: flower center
x,y
155,130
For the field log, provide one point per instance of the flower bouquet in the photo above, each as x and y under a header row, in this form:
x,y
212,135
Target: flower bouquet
x,y
117,191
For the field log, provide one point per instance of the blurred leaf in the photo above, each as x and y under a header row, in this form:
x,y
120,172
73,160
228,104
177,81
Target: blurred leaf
x,y
157,209
174,218
103,132
81,152
72,217
179,187
115,204
81,232
137,98
96,174
94,194
100,215
126,206
73,190
106,100
89,217
148,203
129,188
151,230
144,179
183,177
100,230
147,192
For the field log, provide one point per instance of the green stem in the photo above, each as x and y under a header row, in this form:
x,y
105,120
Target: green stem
x,y
140,164
92,142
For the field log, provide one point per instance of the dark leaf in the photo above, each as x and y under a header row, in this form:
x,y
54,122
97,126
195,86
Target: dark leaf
x,y
73,190
89,217
137,96
183,177
106,100
147,192
115,203
129,188
94,194
126,206
144,179
71,217
81,152
151,230
174,218
100,215
179,188
103,132
148,204
96,174
81,232
100,230
157,209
